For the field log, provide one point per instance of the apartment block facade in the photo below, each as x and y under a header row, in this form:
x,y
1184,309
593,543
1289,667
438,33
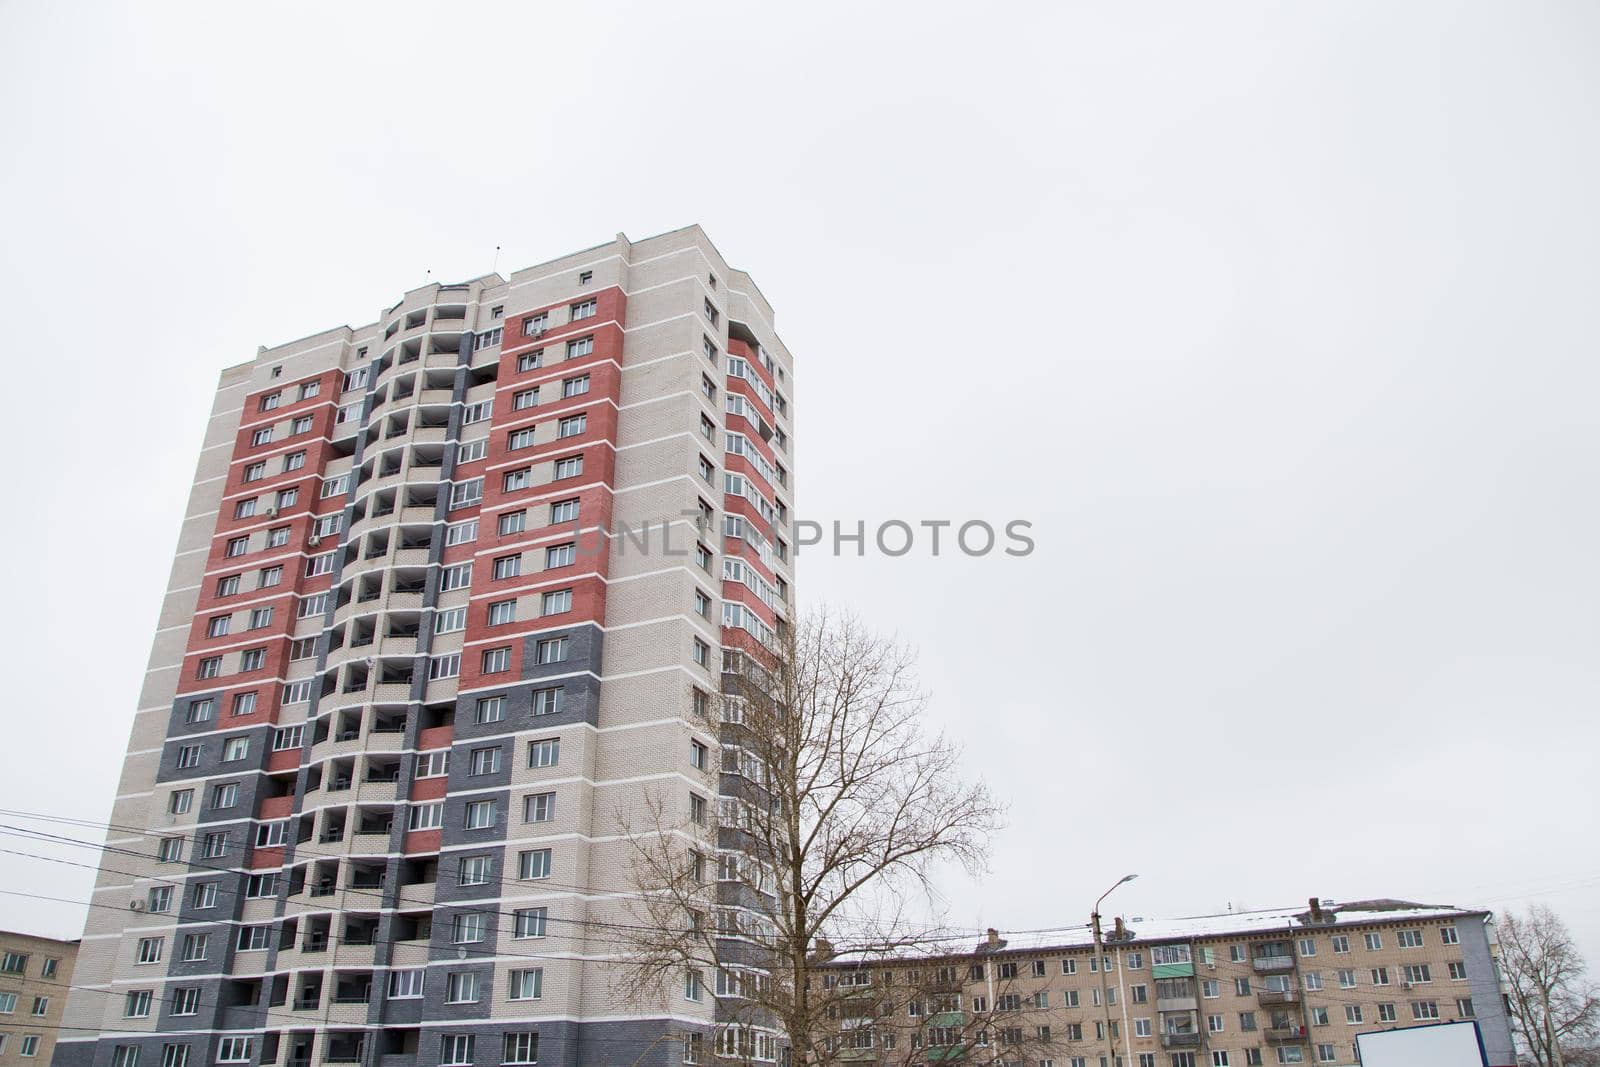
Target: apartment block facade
x,y
449,591
1244,989
35,976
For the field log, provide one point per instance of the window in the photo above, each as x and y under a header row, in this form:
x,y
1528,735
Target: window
x,y
469,928
502,612
228,586
570,467
572,425
237,546
583,346
697,809
524,399
253,938
539,807
446,666
455,1049
706,470
1464,1008
1210,988
465,494
41,1006
513,522
159,900
426,816
450,620
1409,938
199,711
530,922
701,652
1424,1009
1417,974
560,555
149,950
170,849
527,984
480,815
472,451
269,577
546,753
214,845
507,567
521,1046
476,412
1352,1013
518,439
1458,972
234,1049
547,701
1380,976
432,764
255,472
698,756
485,760
245,508
571,387
189,756
456,577
294,461
300,692
252,659
515,480
1308,946
244,704
459,533
278,537
1347,979
1325,1054
496,660
209,667
709,347
30,1045
557,602
461,987
1448,936
235,748
491,709
551,650
195,947
406,985
1313,980
1374,942
1319,1016
260,618
584,310
692,984
711,312
174,1056
534,864
530,360
1386,1013
1341,943
225,796
300,425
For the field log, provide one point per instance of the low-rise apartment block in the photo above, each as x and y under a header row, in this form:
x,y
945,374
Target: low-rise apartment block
x,y
35,973
1244,989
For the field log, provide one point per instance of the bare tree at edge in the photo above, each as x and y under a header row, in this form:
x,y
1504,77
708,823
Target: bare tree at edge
x,y
1555,1007
837,804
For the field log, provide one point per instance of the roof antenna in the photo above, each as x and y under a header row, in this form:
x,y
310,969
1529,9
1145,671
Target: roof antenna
x,y
496,268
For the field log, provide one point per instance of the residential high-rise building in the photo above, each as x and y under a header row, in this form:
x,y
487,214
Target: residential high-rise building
x,y
35,976
1241,989
450,589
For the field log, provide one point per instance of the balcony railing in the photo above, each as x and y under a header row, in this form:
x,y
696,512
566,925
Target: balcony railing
x,y
1282,1034
1180,1040
1274,963
1278,996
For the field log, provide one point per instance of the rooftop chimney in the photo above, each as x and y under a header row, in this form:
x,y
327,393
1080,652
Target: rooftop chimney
x,y
1316,910
994,939
1121,931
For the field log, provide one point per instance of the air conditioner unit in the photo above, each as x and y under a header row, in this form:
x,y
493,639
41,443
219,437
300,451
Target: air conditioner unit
x,y
135,905
272,511
314,540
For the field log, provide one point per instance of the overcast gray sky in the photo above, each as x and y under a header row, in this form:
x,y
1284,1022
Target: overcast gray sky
x,y
1277,320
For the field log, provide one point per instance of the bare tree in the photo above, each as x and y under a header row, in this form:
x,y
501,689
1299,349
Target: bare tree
x,y
836,805
1555,1007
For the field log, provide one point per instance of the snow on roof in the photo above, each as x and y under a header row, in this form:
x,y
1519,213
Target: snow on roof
x,y
1234,923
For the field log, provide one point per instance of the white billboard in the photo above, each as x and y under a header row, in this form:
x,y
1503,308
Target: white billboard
x,y
1439,1045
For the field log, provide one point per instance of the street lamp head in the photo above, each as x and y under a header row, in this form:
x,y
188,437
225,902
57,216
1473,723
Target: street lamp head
x,y
1128,878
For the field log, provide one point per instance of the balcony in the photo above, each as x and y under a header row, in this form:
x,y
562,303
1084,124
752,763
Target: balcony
x,y
1180,1040
1280,1035
1269,997
1268,964
1188,1003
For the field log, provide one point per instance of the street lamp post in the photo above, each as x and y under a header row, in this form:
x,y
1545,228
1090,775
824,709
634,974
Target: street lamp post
x,y
1100,962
